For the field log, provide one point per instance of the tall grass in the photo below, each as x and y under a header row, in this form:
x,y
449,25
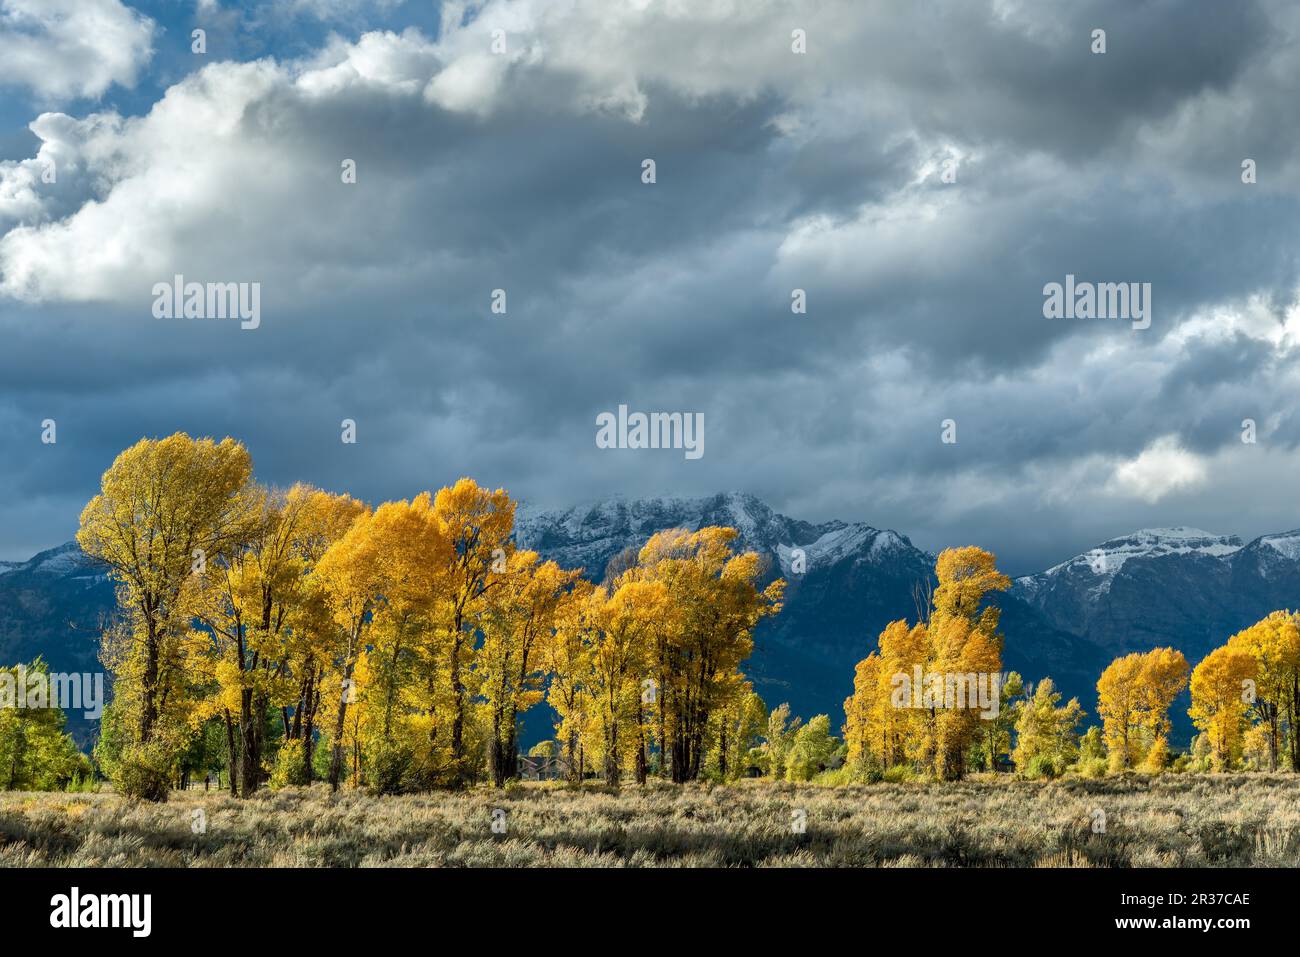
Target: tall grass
x,y
1173,820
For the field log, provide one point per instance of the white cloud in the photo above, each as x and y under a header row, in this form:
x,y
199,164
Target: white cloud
x,y
1159,469
69,48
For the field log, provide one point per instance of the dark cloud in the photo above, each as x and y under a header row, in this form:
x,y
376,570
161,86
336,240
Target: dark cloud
x,y
925,298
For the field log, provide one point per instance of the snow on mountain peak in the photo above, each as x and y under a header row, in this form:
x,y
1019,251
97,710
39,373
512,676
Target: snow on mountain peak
x,y
66,560
841,542
589,535
1287,544
1109,557
1180,533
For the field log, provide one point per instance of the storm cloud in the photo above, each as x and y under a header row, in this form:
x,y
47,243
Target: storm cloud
x,y
921,172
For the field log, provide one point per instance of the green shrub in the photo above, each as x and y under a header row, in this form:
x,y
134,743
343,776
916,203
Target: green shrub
x,y
289,771
834,778
388,768
145,772
1040,766
869,769
1092,767
898,774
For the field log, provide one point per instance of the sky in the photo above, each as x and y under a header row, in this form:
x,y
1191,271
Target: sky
x,y
922,171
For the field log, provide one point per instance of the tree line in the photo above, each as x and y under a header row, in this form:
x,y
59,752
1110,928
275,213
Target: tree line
x,y
308,635
284,636
1245,698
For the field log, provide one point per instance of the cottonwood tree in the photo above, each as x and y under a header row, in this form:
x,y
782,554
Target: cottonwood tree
x,y
888,719
717,603
35,752
1133,698
965,640
1274,644
566,656
623,619
520,620
403,732
165,507
311,634
477,524
350,573
1219,706
811,749
997,737
779,737
1047,737
246,601
880,730
740,728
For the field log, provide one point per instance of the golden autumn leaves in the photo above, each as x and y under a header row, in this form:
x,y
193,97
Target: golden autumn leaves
x,y
955,636
311,635
1134,695
409,637
1245,696
1256,675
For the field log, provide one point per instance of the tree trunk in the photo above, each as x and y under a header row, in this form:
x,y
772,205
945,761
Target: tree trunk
x,y
572,771
336,761
311,704
665,759
641,759
511,754
496,752
458,712
233,753
1272,737
149,710
1295,707
612,774
248,765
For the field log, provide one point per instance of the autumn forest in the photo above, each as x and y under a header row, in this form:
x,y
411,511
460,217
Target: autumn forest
x,y
273,638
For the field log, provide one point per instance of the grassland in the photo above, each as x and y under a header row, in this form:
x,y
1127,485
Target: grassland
x,y
1173,820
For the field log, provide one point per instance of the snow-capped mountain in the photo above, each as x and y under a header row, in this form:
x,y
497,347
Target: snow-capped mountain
x,y
1109,557
1096,569
588,536
1173,586
66,561
54,605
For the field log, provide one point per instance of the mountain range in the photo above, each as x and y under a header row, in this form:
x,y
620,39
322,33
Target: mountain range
x,y
1178,586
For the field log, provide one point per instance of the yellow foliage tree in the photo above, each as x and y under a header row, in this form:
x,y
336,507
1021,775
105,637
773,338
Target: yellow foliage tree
x,y
956,644
520,619
1047,731
1274,644
1220,702
166,507
716,603
1133,698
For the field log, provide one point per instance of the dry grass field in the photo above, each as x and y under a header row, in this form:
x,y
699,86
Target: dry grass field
x,y
1174,820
